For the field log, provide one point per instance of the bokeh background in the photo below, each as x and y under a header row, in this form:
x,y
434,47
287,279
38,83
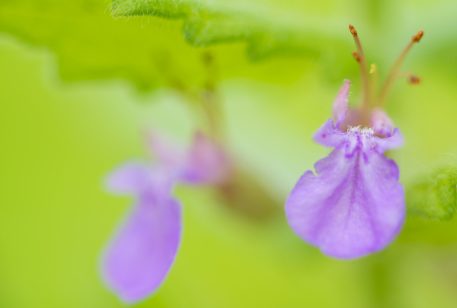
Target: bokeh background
x,y
78,87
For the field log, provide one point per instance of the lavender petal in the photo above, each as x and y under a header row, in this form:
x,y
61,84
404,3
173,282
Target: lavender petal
x,y
353,206
168,153
131,178
340,105
329,135
207,162
141,254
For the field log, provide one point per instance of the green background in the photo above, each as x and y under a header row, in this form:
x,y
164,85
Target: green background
x,y
71,111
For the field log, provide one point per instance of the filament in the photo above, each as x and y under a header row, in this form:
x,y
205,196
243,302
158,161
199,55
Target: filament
x,y
395,70
359,56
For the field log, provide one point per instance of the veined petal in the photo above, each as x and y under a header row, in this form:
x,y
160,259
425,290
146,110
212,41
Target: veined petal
x,y
353,206
141,254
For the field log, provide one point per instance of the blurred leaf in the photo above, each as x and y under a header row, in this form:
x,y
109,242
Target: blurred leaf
x,y
206,24
153,52
435,197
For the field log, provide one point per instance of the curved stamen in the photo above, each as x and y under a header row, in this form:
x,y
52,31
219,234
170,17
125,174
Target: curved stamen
x,y
360,58
373,83
395,70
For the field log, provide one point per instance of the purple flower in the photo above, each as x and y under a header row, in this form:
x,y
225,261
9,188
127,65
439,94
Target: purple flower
x,y
353,205
141,254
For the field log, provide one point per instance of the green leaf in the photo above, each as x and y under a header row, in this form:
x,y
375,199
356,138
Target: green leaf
x,y
165,45
435,197
207,25
162,8
152,52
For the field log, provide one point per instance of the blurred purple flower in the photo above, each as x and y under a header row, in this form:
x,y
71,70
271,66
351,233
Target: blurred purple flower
x,y
144,249
354,204
141,254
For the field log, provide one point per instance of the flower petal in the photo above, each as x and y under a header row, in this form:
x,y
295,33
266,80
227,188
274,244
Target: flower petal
x,y
395,140
168,153
207,162
381,123
141,254
131,178
352,207
340,105
329,135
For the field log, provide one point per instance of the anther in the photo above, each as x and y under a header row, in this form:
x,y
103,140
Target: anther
x,y
414,80
395,71
359,56
416,38
373,69
356,56
353,30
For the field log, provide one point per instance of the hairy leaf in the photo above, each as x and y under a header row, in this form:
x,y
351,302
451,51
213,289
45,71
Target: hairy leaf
x,y
206,25
153,51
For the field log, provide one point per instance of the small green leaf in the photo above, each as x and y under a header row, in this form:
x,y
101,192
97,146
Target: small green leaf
x,y
436,196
